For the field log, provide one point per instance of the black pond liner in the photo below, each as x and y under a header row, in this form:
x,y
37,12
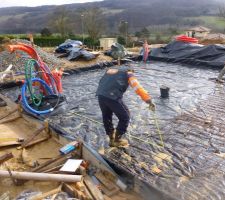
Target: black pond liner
x,y
188,86
145,189
191,54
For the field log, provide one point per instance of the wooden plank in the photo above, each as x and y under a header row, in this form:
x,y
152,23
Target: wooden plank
x,y
58,162
107,183
12,143
109,193
37,141
80,186
95,192
88,194
5,157
68,189
10,120
79,194
46,194
10,139
47,163
35,133
9,113
53,169
106,197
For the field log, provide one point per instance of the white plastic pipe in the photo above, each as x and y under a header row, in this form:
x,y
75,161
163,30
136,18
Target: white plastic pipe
x,y
41,176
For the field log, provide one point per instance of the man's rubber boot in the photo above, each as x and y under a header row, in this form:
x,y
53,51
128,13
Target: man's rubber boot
x,y
220,80
111,138
119,142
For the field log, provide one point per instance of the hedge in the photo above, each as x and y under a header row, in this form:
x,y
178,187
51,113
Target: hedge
x,y
52,41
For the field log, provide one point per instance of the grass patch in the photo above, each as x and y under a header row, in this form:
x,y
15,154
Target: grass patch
x,y
210,21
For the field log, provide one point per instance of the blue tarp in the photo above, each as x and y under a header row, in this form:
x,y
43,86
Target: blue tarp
x,y
73,50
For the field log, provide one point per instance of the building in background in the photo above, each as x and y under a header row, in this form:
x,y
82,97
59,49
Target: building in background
x,y
106,43
197,32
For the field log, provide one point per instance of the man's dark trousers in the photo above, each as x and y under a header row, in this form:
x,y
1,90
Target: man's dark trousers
x,y
108,107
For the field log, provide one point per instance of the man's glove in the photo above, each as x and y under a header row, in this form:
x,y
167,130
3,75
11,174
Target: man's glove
x,y
151,105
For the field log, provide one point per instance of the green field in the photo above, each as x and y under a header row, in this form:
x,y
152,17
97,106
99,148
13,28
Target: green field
x,y
213,22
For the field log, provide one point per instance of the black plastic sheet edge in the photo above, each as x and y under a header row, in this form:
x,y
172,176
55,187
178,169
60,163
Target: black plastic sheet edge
x,y
145,189
189,62
101,65
10,84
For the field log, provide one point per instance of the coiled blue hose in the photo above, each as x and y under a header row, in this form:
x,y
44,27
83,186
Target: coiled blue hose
x,y
24,99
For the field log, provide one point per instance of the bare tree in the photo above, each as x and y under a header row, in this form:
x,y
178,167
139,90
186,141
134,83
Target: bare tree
x,y
60,20
123,28
94,22
222,11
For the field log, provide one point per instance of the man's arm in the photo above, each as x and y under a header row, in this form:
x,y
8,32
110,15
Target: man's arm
x,y
133,82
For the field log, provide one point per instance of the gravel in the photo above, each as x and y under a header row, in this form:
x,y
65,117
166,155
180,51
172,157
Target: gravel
x,y
19,58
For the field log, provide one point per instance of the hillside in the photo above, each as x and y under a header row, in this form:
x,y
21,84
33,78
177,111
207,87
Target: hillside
x,y
137,13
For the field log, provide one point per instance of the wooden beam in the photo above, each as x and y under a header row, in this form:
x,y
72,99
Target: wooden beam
x,y
107,183
57,162
5,157
95,192
12,143
10,120
34,134
32,143
46,194
9,113
48,163
68,189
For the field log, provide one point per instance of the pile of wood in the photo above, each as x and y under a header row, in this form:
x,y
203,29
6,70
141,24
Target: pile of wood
x,y
66,168
81,182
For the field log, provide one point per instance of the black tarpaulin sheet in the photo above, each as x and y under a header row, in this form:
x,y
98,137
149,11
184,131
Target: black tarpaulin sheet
x,y
192,54
76,53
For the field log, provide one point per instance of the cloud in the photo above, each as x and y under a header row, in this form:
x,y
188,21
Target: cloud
x,y
33,3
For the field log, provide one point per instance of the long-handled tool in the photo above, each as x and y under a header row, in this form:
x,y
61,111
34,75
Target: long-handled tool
x,y
157,124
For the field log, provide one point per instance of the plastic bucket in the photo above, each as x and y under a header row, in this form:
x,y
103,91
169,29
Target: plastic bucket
x,y
164,91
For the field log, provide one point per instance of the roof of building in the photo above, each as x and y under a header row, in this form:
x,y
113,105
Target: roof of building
x,y
199,29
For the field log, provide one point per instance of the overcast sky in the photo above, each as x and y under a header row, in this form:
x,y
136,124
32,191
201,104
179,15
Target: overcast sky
x,y
9,3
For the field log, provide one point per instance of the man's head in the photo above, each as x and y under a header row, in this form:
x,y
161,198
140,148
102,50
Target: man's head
x,y
131,69
128,68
